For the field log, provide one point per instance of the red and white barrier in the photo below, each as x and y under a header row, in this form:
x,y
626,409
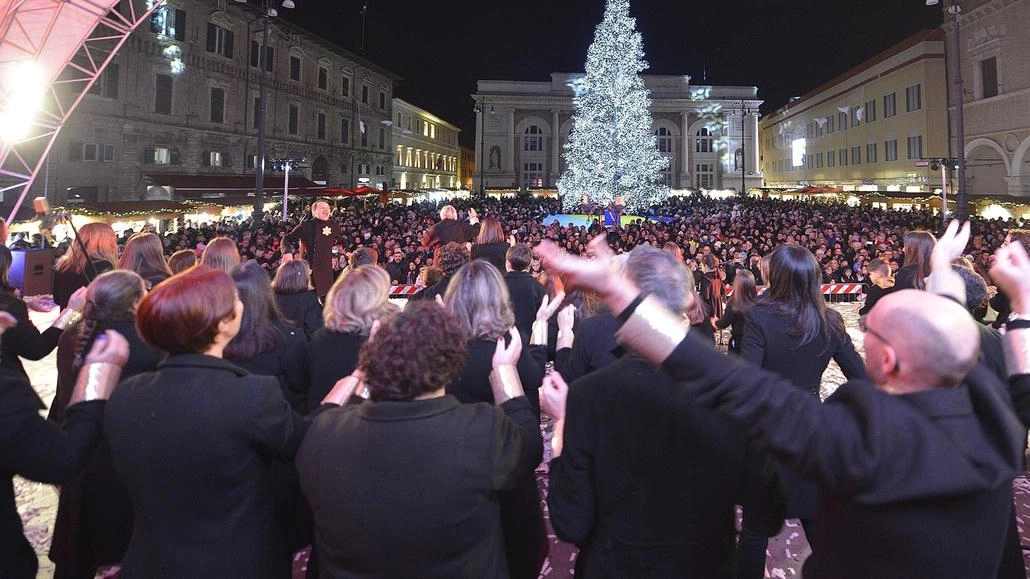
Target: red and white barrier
x,y
403,291
828,289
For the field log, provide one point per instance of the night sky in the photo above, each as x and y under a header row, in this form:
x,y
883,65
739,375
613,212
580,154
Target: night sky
x,y
442,48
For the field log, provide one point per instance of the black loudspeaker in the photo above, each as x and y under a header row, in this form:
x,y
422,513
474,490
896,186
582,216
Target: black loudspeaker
x,y
32,271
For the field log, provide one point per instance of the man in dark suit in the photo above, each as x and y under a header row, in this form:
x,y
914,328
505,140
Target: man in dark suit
x,y
525,293
449,229
317,237
40,450
636,508
914,469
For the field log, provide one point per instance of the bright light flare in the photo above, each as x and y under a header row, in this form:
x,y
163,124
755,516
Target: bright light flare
x,y
21,95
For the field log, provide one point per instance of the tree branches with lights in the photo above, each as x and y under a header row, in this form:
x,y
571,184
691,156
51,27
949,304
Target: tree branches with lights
x,y
613,150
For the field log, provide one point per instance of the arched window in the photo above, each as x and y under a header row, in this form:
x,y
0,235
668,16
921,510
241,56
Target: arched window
x,y
533,139
703,143
664,140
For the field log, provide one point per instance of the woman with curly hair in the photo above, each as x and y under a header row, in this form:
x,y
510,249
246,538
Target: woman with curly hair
x,y
410,432
94,514
355,302
296,296
144,254
77,268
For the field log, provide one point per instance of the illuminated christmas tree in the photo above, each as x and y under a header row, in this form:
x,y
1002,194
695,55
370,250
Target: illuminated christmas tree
x,y
612,150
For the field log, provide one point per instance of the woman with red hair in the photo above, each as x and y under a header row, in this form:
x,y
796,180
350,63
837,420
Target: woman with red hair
x,y
192,441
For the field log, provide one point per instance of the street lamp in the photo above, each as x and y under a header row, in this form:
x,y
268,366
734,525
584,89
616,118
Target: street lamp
x,y
481,109
744,112
267,12
961,200
285,165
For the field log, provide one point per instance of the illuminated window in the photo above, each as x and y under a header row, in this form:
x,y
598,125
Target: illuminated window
x,y
168,21
400,156
161,156
214,159
704,174
890,105
533,139
532,174
704,141
664,140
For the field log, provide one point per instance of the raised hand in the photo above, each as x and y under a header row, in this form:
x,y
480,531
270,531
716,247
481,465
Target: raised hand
x,y
548,307
950,245
1011,271
553,395
109,348
508,355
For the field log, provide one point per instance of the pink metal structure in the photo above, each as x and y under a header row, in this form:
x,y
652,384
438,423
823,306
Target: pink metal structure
x,y
67,44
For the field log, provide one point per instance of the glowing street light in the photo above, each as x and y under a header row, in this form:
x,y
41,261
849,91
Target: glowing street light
x,y
21,96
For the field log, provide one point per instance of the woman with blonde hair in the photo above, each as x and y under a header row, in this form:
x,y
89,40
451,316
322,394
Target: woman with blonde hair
x,y
144,254
222,254
355,301
77,268
296,296
490,244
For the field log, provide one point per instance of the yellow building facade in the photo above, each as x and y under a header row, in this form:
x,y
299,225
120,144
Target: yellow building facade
x,y
869,128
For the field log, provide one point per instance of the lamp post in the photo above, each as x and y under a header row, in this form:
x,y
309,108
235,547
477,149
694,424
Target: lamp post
x,y
481,161
744,111
961,199
285,165
267,13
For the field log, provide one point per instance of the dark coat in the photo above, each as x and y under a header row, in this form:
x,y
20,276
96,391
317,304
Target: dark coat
x,y
94,514
66,282
525,294
767,343
522,518
448,230
591,349
496,253
648,502
317,238
910,486
24,339
192,443
331,356
287,362
873,294
736,321
430,292
409,489
905,278
303,309
38,450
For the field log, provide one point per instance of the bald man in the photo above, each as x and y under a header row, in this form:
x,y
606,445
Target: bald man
x,y
914,469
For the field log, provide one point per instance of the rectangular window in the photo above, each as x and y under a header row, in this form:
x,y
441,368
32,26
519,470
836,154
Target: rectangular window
x,y
890,150
382,100
108,153
842,120
106,84
913,98
345,130
870,111
890,105
217,105
870,153
829,125
842,157
364,94
856,115
989,77
399,116
818,160
320,126
856,155
345,86
160,156
293,120
532,174
212,159
364,137
831,159
168,21
382,138
295,68
915,147
219,40
163,94
363,169
323,78
257,54
704,175
89,152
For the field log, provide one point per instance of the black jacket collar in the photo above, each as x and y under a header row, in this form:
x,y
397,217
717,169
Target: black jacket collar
x,y
201,361
410,410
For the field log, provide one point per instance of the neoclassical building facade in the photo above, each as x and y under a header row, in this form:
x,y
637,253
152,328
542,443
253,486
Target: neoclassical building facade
x,y
425,149
709,133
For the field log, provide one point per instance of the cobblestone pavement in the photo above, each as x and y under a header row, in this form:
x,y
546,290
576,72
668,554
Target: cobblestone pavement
x,y
37,502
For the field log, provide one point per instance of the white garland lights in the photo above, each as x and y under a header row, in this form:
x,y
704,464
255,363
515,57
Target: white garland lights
x,y
612,150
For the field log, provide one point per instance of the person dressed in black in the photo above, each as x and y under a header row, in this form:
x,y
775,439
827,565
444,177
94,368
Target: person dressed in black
x,y
359,463
525,292
735,317
881,283
791,332
24,340
296,298
490,244
193,440
656,501
317,237
918,247
93,252
914,468
94,513
355,302
43,451
449,229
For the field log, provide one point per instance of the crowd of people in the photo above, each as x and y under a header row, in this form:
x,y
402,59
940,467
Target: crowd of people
x,y
230,394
